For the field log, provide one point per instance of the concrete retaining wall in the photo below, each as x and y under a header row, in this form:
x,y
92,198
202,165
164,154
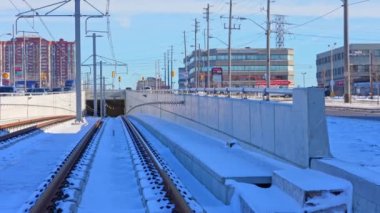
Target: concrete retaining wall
x,y
293,132
21,107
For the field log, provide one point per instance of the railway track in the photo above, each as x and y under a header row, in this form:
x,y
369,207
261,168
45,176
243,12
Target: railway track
x,y
20,128
47,196
159,188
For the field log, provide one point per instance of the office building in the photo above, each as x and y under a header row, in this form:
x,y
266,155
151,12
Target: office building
x,y
364,68
248,68
150,83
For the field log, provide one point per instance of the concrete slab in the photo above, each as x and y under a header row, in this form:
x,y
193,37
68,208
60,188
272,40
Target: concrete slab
x,y
209,159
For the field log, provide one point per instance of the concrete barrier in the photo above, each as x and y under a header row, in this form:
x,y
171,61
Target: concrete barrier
x,y
295,132
21,107
366,184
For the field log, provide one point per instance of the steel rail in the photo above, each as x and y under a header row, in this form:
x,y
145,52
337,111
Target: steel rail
x,y
27,122
173,193
45,201
35,127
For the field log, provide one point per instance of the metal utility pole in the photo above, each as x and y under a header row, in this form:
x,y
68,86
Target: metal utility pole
x,y
165,69
24,67
195,53
347,82
104,108
168,67
94,74
208,44
171,67
78,63
101,87
229,45
184,42
303,78
230,28
268,46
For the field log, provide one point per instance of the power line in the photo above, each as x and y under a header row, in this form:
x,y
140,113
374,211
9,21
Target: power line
x,y
317,18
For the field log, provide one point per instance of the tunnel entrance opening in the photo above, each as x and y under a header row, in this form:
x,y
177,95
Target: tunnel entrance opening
x,y
114,108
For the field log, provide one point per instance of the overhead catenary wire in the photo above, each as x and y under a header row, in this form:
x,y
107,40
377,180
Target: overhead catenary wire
x,y
18,10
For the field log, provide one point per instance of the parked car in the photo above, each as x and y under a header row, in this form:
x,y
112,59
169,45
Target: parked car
x,y
6,89
57,89
38,91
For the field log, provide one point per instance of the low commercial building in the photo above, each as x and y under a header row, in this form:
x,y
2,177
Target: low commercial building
x,y
248,68
150,83
364,69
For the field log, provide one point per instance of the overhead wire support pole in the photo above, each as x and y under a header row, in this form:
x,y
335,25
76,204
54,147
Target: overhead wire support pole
x,y
94,56
94,74
77,16
101,87
78,64
208,45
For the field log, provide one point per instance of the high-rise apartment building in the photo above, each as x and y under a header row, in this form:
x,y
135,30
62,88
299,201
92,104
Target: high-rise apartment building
x,y
37,62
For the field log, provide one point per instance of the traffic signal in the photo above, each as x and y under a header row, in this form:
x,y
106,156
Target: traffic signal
x,y
113,74
119,78
173,73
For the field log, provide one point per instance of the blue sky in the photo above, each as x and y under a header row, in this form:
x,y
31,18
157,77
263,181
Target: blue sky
x,y
143,30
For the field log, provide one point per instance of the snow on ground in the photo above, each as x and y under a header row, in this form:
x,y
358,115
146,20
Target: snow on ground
x,y
24,165
112,186
238,167
355,141
199,191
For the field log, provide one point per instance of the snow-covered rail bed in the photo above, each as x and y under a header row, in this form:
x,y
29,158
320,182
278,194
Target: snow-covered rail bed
x,y
25,165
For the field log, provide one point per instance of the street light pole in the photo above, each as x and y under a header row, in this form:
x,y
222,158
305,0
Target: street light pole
x,y
332,94
303,78
1,72
370,75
